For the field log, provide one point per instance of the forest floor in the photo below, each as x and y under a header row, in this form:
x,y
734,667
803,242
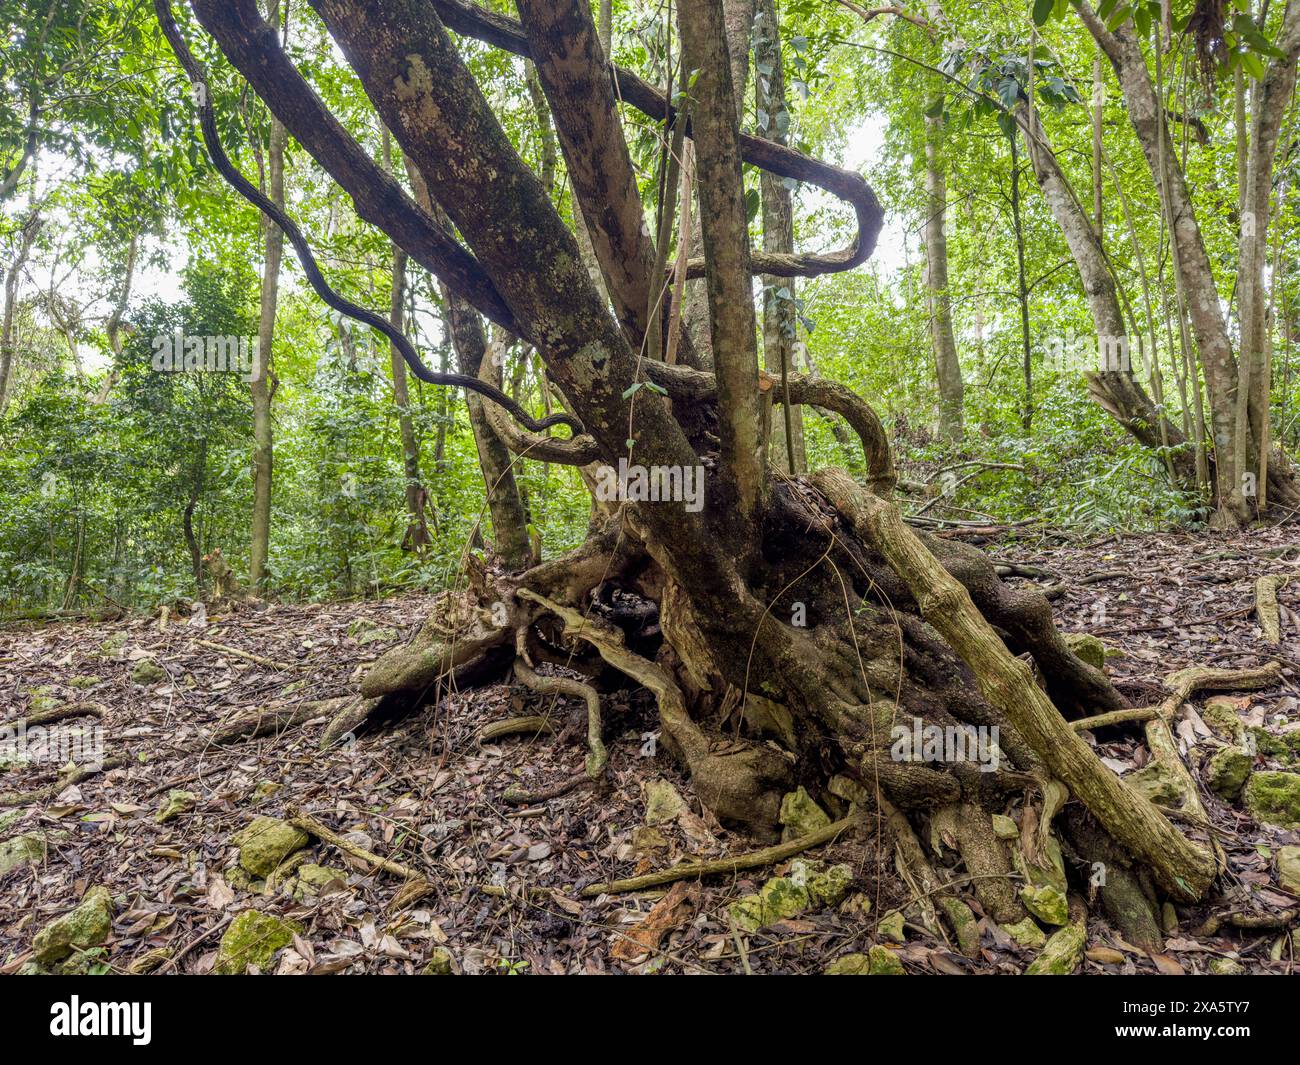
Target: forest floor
x,y
428,794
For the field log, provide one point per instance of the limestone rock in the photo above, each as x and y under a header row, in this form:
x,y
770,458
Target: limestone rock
x,y
266,842
29,847
1087,647
1220,716
800,815
1288,868
891,927
1047,903
147,671
178,802
86,926
663,802
1026,933
1062,954
1274,798
251,940
1226,772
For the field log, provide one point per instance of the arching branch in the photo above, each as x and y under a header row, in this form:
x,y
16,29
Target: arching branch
x,y
696,386
307,257
508,34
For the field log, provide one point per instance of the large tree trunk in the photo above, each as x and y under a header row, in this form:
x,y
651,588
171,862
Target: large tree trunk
x,y
942,341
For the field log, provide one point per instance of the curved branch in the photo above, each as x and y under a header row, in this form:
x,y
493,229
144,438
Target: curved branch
x,y
578,450
308,259
508,34
683,383
255,48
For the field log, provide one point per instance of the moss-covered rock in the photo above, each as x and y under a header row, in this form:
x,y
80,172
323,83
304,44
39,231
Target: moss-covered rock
x,y
663,802
884,962
1005,828
964,925
251,941
29,847
266,842
1026,933
826,886
1087,647
1063,952
777,900
178,802
113,644
150,960
800,815
1225,967
83,682
312,880
85,927
890,927
1288,868
265,789
1047,903
1159,783
1274,798
41,704
440,963
147,671
365,631
850,965
1226,772
1221,718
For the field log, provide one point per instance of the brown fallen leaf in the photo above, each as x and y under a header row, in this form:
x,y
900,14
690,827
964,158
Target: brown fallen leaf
x,y
1104,955
670,912
1167,965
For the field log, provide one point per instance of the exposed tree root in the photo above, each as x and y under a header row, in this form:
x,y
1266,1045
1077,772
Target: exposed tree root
x,y
1183,868
750,860
530,724
520,797
738,781
1266,609
313,827
598,756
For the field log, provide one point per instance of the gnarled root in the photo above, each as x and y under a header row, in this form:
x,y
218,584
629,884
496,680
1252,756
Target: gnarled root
x,y
737,781
1182,868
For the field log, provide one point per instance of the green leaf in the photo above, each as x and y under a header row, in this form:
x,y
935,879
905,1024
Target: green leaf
x,y
1119,18
1043,11
629,392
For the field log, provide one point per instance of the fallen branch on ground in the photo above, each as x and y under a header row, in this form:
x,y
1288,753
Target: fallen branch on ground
x,y
752,860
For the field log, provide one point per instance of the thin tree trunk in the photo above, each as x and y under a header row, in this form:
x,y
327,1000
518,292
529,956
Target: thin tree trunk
x,y
7,341
779,318
261,387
